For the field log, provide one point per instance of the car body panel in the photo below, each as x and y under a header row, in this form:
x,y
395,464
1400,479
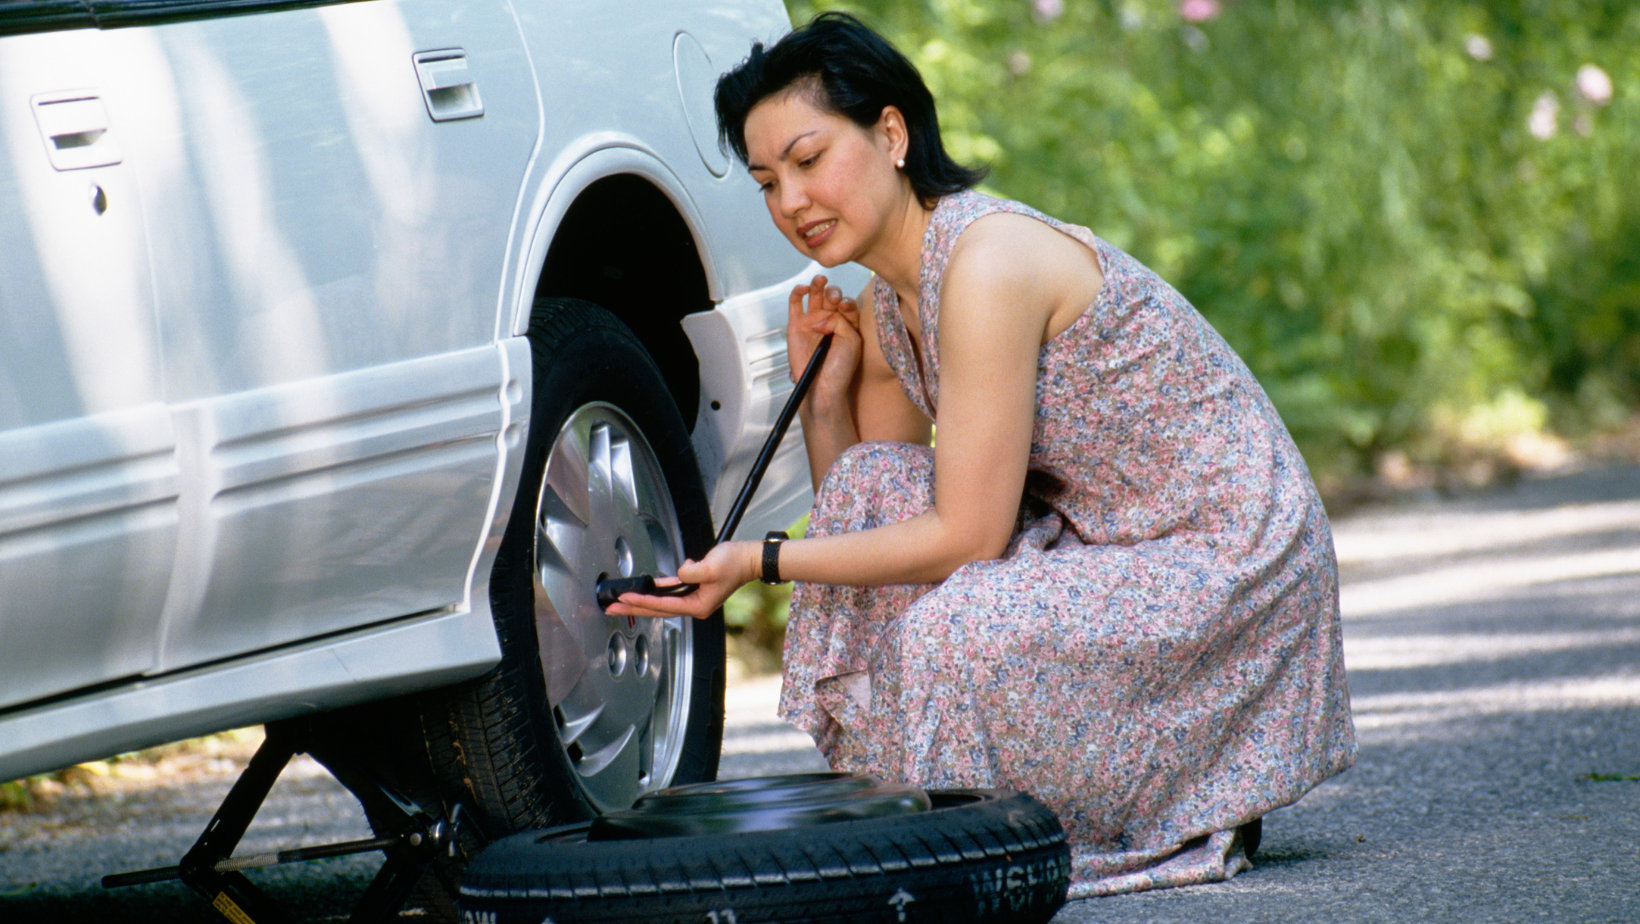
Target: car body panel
x,y
88,478
326,259
328,673
413,653
320,505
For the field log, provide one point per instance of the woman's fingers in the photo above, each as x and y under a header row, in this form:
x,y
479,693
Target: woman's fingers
x,y
850,309
807,303
659,607
716,577
837,305
806,297
662,605
815,310
794,305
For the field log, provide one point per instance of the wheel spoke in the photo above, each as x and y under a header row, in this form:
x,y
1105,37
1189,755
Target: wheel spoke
x,y
561,549
570,732
567,476
562,665
600,486
613,766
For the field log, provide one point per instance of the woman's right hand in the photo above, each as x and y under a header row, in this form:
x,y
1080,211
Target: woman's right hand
x,y
814,311
725,569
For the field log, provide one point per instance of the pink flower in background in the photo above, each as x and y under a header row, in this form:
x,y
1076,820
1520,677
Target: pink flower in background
x,y
1594,84
1047,10
1544,121
1199,10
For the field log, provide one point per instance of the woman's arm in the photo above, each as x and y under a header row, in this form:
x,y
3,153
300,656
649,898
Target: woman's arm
x,y
993,317
1006,290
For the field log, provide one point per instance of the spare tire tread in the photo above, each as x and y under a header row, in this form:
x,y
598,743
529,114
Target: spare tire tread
x,y
1003,858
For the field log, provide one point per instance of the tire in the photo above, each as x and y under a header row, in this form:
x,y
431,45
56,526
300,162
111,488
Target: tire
x,y
971,856
505,749
587,712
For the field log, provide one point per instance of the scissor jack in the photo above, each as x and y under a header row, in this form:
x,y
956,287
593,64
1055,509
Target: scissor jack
x,y
411,838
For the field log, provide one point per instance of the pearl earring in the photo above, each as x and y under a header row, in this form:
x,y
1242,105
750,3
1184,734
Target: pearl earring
x,y
900,163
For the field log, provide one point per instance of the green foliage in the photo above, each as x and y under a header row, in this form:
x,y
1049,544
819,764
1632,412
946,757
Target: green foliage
x,y
756,617
234,746
1352,191
1594,777
758,608
16,794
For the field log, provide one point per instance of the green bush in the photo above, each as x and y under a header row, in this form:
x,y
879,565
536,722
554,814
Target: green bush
x,y
756,618
1407,216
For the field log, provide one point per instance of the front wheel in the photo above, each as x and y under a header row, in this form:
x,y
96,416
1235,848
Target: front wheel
x,y
587,712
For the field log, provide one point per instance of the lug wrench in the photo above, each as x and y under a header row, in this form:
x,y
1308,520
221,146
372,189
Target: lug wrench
x,y
610,589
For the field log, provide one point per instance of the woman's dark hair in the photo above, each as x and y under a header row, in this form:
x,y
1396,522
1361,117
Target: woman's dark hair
x,y
856,73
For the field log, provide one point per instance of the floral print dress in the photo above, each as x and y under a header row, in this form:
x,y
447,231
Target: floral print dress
x,y
1157,656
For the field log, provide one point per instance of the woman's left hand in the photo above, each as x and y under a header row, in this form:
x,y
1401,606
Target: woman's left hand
x,y
815,310
724,570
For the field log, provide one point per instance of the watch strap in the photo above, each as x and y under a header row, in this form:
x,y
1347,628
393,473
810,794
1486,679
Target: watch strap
x,y
771,557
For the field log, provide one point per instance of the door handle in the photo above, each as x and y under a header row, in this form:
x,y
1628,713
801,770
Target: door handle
x,y
447,86
74,125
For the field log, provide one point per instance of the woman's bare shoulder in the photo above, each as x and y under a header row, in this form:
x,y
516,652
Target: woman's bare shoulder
x,y
1037,268
1013,250
1012,242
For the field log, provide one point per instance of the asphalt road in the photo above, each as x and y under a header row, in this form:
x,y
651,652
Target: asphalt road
x,y
1493,650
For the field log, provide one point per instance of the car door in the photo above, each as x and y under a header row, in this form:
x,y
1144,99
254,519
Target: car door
x,y
330,195
89,478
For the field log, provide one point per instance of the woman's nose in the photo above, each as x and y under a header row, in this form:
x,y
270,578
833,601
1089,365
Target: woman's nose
x,y
792,199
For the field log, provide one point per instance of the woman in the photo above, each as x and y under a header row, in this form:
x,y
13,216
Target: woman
x,y
1110,584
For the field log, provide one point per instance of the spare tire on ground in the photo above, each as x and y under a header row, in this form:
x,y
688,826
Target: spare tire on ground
x,y
823,847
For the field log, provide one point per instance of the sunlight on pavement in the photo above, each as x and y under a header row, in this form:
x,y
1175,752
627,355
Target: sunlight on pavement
x,y
751,725
1470,582
1480,573
1379,539
1399,652
1390,710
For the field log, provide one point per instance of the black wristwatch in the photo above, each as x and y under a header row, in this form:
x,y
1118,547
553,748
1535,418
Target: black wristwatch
x,y
771,556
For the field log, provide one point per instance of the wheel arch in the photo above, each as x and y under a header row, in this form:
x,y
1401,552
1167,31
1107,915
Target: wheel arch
x,y
619,230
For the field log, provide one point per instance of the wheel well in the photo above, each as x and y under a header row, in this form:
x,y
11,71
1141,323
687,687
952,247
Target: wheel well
x,y
622,245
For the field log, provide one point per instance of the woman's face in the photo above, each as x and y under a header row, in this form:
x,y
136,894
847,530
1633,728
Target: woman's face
x,y
829,184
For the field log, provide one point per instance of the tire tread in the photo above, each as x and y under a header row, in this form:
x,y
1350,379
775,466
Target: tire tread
x,y
983,862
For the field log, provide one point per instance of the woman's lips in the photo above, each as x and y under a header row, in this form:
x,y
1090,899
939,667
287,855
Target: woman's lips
x,y
815,233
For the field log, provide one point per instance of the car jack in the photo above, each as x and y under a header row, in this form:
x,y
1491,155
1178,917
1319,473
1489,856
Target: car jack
x,y
412,839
